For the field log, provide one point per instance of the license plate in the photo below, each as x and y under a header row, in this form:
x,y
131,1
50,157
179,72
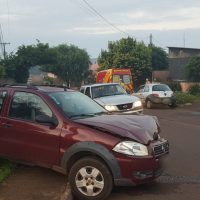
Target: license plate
x,y
166,101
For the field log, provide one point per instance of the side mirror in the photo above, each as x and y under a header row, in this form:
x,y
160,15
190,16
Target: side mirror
x,y
45,119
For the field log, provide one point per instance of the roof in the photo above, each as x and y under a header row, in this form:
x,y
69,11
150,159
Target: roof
x,y
186,48
36,71
40,88
99,84
156,83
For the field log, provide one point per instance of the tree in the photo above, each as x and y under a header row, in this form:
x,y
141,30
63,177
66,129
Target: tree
x,y
17,65
2,71
128,53
71,64
193,69
28,56
159,58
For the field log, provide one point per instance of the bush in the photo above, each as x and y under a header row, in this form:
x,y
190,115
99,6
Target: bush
x,y
6,168
182,98
175,86
194,90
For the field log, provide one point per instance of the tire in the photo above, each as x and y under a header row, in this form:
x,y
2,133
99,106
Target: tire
x,y
88,172
172,105
149,104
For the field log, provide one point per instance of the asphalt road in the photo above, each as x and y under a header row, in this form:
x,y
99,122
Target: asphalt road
x,y
181,178
180,181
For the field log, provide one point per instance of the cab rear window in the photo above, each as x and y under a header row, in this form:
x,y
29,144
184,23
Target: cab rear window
x,y
161,88
2,98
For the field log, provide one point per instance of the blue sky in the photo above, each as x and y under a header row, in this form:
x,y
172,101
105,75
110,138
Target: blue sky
x,y
172,23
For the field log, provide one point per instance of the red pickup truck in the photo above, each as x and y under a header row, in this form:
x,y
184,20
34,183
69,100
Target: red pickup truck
x,y
67,131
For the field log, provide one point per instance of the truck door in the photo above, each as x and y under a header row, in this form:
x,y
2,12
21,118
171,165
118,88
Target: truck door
x,y
22,138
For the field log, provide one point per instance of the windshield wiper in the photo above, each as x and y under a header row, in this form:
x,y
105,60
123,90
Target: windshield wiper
x,y
83,115
101,113
119,93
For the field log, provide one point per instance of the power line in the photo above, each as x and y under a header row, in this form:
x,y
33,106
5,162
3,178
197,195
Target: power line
x,y
84,7
104,19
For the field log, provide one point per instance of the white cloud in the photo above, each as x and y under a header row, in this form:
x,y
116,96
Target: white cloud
x,y
92,30
71,20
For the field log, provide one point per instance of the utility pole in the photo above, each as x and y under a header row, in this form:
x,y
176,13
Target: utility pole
x,y
4,48
151,45
151,40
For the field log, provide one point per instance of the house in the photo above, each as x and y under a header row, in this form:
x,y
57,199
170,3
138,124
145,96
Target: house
x,y
179,57
37,76
94,65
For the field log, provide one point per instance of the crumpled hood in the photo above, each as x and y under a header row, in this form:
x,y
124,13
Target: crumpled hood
x,y
116,99
140,128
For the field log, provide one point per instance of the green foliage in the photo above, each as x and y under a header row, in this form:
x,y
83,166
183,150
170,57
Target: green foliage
x,y
48,80
71,64
159,58
183,98
2,71
174,86
194,90
127,53
6,168
17,65
193,69
90,78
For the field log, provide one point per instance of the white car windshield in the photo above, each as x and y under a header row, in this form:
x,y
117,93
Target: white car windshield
x,y
107,90
76,104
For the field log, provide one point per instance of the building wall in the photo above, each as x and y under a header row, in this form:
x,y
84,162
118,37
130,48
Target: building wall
x,y
183,52
160,76
185,86
178,59
177,68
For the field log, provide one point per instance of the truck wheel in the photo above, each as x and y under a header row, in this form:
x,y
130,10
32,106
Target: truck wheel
x,y
90,179
173,105
149,104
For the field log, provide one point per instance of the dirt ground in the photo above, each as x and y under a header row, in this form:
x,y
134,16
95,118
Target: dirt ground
x,y
33,183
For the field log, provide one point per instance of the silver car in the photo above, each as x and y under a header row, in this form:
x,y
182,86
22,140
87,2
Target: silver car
x,y
113,98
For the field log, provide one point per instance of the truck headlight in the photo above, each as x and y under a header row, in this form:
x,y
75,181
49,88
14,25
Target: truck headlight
x,y
131,148
137,104
110,108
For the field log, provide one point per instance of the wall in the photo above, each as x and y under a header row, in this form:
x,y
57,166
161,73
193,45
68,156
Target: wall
x,y
160,76
183,52
185,86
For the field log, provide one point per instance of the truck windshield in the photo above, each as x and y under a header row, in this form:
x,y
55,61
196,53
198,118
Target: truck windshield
x,y
107,90
76,104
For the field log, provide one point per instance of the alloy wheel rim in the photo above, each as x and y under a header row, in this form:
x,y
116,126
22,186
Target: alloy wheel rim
x,y
89,181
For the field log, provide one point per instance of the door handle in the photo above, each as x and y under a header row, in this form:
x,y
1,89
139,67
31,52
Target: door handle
x,y
6,125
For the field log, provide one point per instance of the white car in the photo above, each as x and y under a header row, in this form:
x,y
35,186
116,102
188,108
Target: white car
x,y
156,93
113,98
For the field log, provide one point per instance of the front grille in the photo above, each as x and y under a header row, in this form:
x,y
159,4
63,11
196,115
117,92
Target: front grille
x,y
125,106
161,149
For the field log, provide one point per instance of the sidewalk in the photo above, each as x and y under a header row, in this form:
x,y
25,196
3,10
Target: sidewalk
x,y
34,183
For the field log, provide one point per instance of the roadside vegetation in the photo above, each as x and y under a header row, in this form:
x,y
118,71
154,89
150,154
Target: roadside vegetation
x,y
6,168
192,96
183,98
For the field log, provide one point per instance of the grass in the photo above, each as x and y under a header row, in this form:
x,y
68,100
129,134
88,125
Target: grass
x,y
6,168
183,98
